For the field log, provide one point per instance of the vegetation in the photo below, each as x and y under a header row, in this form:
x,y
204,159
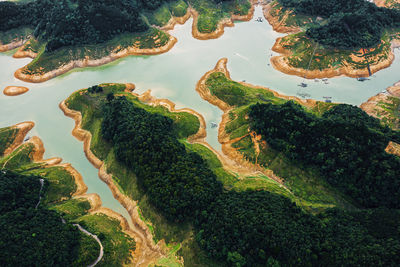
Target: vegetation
x,y
212,12
7,136
345,144
257,228
303,48
234,227
42,233
350,24
30,236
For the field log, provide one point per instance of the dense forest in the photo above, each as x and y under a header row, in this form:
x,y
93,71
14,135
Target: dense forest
x,y
345,144
253,228
76,22
29,236
250,228
178,182
352,24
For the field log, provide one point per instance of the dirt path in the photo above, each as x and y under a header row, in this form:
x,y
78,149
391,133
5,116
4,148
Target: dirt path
x,y
97,240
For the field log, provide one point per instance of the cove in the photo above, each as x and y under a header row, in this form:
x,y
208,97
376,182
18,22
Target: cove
x,y
172,75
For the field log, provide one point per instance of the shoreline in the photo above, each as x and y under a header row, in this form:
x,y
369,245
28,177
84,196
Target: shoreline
x,y
81,188
275,23
225,22
23,129
12,45
15,90
20,53
232,160
83,63
280,64
371,106
146,251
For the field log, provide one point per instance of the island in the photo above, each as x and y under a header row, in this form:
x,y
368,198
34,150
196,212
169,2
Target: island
x,y
15,90
332,38
46,216
93,33
206,213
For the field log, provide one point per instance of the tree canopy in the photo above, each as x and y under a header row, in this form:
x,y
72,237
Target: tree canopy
x,y
352,24
345,144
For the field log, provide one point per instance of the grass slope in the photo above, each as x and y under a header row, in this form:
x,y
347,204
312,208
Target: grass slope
x,y
308,188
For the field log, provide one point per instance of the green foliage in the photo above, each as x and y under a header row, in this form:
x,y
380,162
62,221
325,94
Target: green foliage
x,y
351,24
61,184
258,228
7,136
30,236
177,182
212,12
117,245
345,144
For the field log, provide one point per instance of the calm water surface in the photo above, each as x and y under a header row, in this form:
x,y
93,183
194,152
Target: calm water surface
x,y
174,76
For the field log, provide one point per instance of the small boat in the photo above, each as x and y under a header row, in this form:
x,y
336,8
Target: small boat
x,y
214,125
324,79
303,85
27,139
362,79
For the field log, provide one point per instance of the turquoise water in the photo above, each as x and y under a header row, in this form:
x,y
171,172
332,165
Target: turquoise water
x,y
172,75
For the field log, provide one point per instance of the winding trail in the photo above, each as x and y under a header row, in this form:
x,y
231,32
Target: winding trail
x,y
97,240
40,192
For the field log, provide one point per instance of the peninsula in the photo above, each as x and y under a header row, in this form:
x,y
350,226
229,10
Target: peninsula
x,y
333,38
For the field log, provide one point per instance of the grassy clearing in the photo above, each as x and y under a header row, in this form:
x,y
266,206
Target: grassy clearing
x,y
61,183
15,35
287,17
73,208
211,13
7,136
389,112
48,61
178,8
20,156
160,17
117,245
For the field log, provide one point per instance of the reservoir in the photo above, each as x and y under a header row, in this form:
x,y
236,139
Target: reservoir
x,y
172,75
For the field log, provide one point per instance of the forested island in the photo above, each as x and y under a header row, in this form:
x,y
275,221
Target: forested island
x,y
62,35
43,202
190,200
330,38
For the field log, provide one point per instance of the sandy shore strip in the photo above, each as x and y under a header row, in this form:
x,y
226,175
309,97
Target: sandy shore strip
x,y
83,63
281,63
373,105
12,45
146,251
232,159
23,129
15,90
278,25
23,53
